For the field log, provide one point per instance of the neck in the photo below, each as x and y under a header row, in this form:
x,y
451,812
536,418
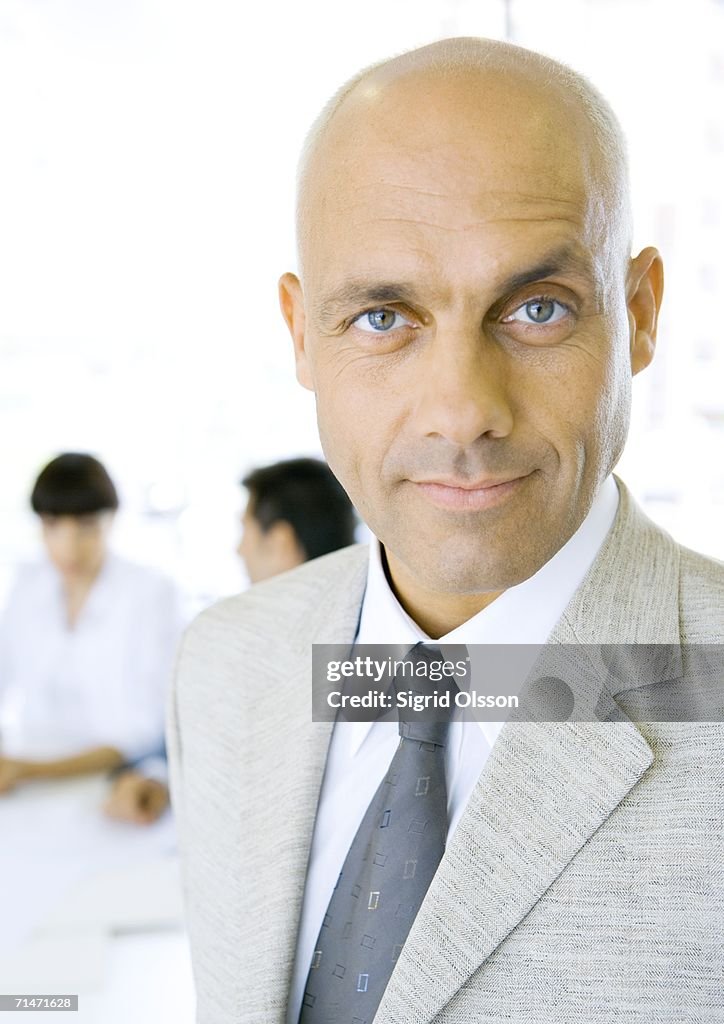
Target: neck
x,y
434,612
80,583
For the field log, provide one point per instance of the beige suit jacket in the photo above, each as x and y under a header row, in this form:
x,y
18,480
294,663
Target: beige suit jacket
x,y
585,881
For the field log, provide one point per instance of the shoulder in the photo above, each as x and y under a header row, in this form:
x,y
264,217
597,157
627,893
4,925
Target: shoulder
x,y
695,578
644,587
31,579
141,579
702,597
281,611
34,572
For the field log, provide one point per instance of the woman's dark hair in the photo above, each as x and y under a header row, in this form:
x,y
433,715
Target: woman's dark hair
x,y
73,484
306,494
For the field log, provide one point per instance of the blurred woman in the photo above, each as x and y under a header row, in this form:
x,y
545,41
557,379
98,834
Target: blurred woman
x,y
87,640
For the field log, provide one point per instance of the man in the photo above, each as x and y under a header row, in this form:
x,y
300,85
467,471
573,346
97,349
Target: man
x,y
296,511
469,318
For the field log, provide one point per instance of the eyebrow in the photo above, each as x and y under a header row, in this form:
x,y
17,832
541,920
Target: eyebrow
x,y
362,293
565,260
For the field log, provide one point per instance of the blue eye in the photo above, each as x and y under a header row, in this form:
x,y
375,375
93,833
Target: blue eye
x,y
538,311
378,321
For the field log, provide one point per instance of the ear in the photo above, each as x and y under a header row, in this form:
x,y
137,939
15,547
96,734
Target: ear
x,y
644,289
282,536
291,301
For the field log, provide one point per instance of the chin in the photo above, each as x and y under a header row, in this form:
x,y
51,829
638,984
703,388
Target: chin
x,y
474,568
466,573
470,579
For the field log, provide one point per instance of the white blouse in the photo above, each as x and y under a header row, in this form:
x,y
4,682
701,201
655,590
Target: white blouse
x,y
100,683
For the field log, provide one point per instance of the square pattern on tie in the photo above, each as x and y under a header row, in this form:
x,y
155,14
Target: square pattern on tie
x,y
409,869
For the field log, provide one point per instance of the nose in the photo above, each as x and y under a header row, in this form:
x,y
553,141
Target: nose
x,y
68,543
462,388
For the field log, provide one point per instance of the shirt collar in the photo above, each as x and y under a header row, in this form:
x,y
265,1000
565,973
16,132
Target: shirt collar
x,y
524,614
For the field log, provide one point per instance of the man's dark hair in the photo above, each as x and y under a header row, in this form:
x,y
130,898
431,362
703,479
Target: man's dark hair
x,y
306,494
73,484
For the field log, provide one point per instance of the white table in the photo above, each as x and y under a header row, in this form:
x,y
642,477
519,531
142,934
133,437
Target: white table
x,y
90,906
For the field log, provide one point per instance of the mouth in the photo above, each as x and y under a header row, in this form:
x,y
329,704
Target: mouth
x,y
468,495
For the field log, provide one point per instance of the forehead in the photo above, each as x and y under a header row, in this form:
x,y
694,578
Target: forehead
x,y
81,522
462,169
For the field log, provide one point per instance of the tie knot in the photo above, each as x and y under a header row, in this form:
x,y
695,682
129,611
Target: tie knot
x,y
429,696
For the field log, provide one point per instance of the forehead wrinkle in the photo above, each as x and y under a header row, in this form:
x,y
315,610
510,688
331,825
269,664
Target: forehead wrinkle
x,y
474,225
456,180
579,214
569,192
456,212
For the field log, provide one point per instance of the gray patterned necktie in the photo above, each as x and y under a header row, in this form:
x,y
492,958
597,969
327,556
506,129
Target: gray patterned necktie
x,y
387,871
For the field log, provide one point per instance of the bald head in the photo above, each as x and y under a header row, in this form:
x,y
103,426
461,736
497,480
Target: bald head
x,y
492,89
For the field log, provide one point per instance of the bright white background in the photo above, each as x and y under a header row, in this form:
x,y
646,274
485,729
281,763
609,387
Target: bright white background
x,y
147,157
146,196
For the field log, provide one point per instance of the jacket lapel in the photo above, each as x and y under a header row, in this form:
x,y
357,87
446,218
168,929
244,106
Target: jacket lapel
x,y
546,787
544,791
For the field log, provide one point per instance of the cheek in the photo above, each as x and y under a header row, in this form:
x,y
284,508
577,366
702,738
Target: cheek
x,y
54,554
357,416
58,549
345,438
92,548
577,400
613,407
597,406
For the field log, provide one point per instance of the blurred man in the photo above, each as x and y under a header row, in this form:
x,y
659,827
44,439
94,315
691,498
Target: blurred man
x,y
469,315
296,511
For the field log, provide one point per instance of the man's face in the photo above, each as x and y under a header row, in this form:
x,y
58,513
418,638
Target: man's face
x,y
465,329
266,553
77,545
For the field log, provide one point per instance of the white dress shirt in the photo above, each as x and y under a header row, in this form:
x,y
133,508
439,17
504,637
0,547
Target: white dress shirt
x,y
360,752
103,681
